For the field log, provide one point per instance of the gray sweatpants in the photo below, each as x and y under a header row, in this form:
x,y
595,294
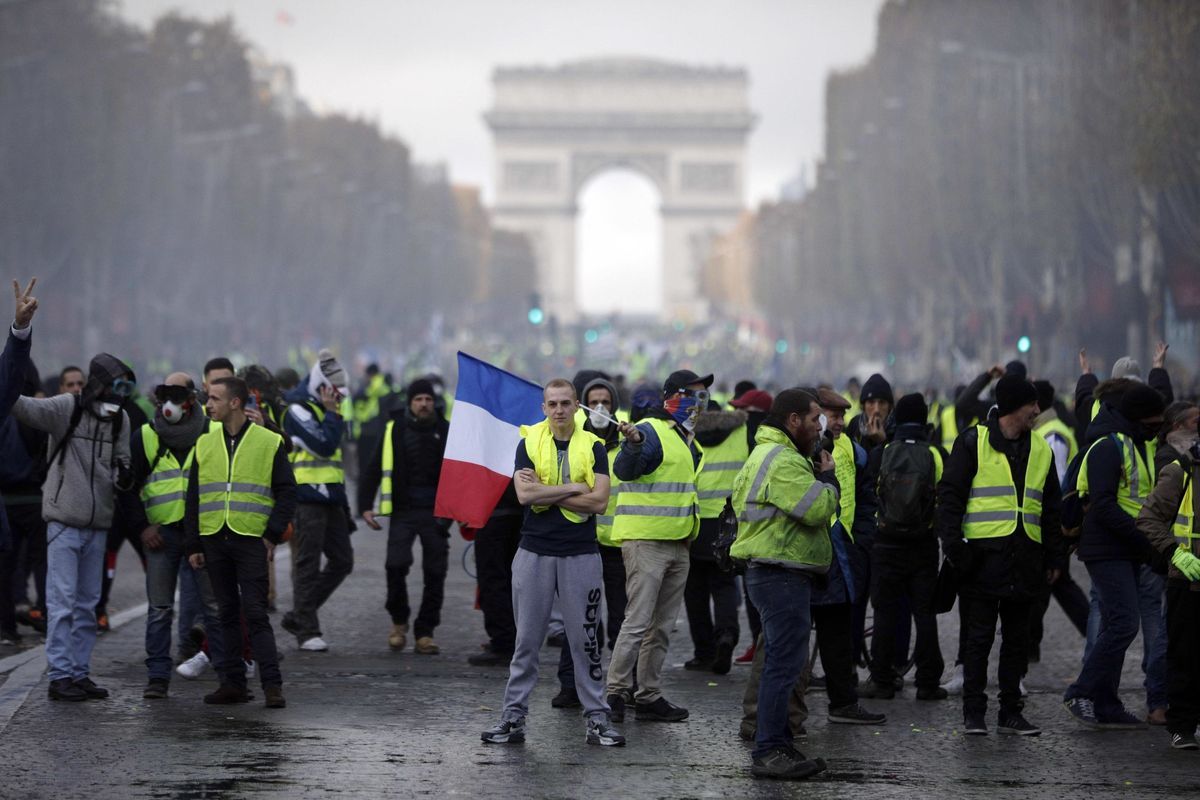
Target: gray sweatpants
x,y
578,583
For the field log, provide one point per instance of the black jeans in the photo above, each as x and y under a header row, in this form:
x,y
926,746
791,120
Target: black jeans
x,y
28,547
981,614
835,644
710,624
904,579
1183,654
405,528
1073,601
495,546
237,567
614,601
320,530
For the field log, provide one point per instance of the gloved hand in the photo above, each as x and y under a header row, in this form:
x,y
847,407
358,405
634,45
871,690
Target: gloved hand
x,y
1186,563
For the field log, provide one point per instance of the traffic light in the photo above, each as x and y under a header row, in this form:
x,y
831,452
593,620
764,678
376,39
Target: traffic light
x,y
1023,344
536,314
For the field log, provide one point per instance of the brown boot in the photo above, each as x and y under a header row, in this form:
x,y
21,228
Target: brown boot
x,y
426,646
398,637
227,694
274,696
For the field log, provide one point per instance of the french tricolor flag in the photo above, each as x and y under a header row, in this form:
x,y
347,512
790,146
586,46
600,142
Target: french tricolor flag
x,y
490,405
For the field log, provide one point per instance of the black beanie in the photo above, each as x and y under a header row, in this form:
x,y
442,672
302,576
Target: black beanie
x,y
1141,402
1014,392
1045,394
420,386
1017,368
877,388
911,409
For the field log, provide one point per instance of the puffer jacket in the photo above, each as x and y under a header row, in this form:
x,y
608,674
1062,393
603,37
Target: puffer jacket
x,y
1157,518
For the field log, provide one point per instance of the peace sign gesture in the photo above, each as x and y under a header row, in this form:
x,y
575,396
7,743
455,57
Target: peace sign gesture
x,y
25,303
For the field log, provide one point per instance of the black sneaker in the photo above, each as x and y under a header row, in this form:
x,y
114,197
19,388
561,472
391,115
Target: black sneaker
x,y
156,689
1184,741
1121,721
1083,711
723,660
854,714
505,732
935,693
227,694
785,763
974,724
288,623
65,689
601,732
556,640
877,691
89,687
660,711
1012,722
490,658
698,664
566,698
816,684
616,706
10,638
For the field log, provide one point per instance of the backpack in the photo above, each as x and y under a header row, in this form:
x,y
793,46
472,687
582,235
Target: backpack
x,y
907,491
727,529
1075,505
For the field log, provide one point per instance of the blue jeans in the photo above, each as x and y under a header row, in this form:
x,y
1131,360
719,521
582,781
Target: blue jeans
x,y
782,599
1116,584
162,570
1154,637
74,565
191,608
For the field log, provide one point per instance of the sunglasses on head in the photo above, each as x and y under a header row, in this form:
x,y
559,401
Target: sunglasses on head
x,y
165,393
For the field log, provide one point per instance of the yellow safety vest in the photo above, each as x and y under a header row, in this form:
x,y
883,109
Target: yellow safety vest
x,y
578,466
949,427
1185,528
663,504
992,508
604,522
847,472
388,465
165,491
237,494
722,462
314,470
1059,427
1137,480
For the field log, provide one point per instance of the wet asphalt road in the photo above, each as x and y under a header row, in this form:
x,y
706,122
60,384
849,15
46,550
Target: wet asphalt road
x,y
363,721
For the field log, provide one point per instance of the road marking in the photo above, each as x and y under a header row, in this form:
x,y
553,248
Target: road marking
x,y
28,667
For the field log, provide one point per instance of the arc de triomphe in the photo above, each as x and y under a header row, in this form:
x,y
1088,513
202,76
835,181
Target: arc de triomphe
x,y
683,127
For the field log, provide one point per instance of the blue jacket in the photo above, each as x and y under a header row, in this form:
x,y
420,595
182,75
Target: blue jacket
x,y
322,438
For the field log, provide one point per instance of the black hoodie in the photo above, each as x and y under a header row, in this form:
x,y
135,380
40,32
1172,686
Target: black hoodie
x,y
1108,532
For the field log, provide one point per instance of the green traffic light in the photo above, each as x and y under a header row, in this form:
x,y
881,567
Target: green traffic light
x,y
1023,344
536,316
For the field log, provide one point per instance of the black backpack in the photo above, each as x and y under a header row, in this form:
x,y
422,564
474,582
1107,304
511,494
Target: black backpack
x,y
907,489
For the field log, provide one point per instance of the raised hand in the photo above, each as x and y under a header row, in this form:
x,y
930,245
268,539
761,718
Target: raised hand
x,y
26,304
1085,366
1160,355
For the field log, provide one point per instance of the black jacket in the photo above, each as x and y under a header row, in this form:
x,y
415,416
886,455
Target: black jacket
x,y
1108,532
1158,379
372,471
1009,566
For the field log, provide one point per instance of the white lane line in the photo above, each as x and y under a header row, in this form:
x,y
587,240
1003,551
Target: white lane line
x,y
28,667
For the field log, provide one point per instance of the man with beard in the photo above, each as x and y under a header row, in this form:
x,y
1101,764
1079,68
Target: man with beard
x,y
406,468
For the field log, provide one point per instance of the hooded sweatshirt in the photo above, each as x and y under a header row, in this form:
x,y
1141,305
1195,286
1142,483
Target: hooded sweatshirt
x,y
1108,532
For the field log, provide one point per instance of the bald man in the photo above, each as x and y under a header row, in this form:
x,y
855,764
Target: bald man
x,y
162,454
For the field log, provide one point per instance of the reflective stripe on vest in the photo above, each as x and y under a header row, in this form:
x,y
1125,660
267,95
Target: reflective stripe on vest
x,y
992,508
314,470
722,462
663,504
237,494
388,464
1136,479
164,492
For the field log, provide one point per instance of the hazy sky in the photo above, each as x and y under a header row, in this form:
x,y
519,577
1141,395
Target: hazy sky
x,y
422,70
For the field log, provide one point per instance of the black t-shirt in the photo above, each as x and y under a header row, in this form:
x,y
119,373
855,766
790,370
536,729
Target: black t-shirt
x,y
550,533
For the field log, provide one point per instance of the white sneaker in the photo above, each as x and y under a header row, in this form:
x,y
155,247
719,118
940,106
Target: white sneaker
x,y
316,645
194,667
954,685
249,670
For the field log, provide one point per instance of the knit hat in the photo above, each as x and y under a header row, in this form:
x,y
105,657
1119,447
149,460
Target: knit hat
x,y
1142,402
877,388
1127,367
911,410
1013,393
1045,394
418,387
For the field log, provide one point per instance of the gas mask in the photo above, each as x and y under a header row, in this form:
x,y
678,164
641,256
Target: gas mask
x,y
106,409
175,401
